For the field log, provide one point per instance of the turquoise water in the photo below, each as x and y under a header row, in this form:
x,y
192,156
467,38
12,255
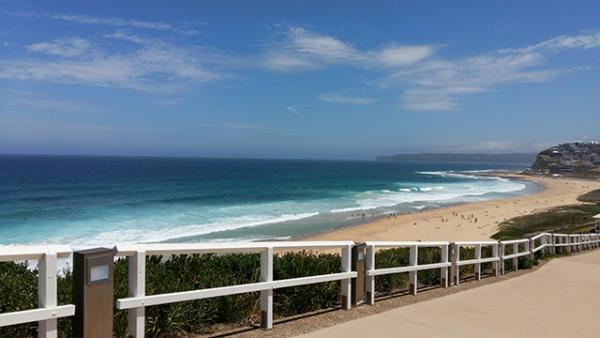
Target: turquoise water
x,y
108,200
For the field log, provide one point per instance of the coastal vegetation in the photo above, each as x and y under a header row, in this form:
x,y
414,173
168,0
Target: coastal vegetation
x,y
574,218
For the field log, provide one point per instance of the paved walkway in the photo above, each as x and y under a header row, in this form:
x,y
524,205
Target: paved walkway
x,y
561,299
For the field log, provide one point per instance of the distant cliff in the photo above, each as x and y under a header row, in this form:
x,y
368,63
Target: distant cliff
x,y
571,159
517,158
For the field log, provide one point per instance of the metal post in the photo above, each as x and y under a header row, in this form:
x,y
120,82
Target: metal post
x,y
358,265
370,280
346,283
266,296
137,288
93,271
412,261
47,293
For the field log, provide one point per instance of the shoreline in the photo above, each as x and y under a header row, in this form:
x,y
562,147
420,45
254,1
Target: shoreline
x,y
465,221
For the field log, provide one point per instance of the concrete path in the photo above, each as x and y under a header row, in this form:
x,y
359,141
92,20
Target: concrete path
x,y
561,299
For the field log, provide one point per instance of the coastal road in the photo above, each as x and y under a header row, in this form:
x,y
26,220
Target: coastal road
x,y
561,299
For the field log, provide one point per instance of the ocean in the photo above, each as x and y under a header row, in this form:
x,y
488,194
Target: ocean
x,y
89,201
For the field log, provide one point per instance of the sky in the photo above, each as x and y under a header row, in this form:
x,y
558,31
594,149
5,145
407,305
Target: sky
x,y
297,79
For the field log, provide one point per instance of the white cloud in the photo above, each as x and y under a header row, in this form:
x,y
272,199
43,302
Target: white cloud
x,y
285,62
147,65
337,98
426,83
324,47
302,49
437,85
404,55
295,109
586,40
61,47
108,21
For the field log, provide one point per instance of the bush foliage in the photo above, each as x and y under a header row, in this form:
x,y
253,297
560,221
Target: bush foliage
x,y
18,287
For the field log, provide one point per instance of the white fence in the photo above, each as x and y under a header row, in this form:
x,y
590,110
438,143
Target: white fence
x,y
413,268
478,260
48,310
449,265
137,300
545,242
560,241
520,248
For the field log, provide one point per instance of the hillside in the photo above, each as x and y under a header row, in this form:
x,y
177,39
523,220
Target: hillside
x,y
516,158
570,159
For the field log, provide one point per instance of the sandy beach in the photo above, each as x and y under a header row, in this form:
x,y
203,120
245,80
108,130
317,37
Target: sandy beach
x,y
471,221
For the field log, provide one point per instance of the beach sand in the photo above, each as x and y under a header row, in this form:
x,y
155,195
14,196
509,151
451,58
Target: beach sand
x,y
457,222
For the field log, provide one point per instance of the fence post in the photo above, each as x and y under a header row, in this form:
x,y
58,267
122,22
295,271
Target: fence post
x,y
412,261
478,265
455,259
444,270
531,245
370,280
502,254
266,296
515,260
495,264
47,293
347,283
137,288
570,244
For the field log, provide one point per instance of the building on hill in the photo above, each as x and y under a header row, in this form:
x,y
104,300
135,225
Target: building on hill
x,y
572,159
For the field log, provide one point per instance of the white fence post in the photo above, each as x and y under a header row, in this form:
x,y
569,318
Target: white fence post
x,y
502,262
531,245
370,282
412,261
516,259
478,265
266,296
47,293
444,270
346,283
456,266
496,264
137,288
570,241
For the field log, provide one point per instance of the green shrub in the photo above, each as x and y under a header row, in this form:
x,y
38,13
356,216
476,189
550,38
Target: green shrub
x,y
18,287
398,257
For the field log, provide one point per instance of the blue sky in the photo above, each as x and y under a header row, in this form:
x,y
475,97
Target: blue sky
x,y
297,79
